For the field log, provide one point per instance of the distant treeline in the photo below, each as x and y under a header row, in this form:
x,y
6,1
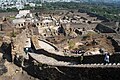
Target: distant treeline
x,y
106,10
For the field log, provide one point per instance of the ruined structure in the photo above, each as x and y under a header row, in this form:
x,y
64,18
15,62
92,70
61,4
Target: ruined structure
x,y
61,42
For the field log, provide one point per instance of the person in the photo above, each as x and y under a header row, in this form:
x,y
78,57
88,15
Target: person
x,y
64,52
107,58
26,50
81,59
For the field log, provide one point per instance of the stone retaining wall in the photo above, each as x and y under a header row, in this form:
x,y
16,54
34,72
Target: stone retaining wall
x,y
44,72
115,58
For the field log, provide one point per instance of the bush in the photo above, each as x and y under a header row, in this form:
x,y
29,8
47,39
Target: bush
x,y
71,44
85,37
13,34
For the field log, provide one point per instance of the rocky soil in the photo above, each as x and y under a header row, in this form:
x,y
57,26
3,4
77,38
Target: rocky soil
x,y
9,71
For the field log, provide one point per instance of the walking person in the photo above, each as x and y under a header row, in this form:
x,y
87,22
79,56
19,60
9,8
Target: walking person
x,y
81,58
106,58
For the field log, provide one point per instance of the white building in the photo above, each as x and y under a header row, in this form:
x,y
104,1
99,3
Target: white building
x,y
31,4
19,5
23,13
24,16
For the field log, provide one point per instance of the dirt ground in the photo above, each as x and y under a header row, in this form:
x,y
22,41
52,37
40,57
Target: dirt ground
x,y
15,73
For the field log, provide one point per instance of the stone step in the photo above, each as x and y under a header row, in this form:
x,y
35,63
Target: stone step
x,y
114,64
118,63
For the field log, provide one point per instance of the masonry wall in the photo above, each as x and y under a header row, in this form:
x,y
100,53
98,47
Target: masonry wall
x,y
115,58
43,72
104,29
58,57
